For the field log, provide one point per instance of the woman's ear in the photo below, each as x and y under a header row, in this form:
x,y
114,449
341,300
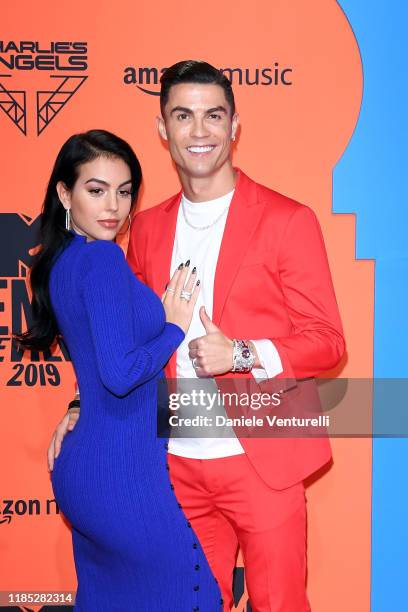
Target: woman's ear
x,y
64,194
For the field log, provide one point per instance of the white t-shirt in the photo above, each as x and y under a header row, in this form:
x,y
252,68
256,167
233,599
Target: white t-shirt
x,y
202,248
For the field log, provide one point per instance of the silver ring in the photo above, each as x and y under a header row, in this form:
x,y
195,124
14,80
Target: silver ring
x,y
185,295
195,366
170,290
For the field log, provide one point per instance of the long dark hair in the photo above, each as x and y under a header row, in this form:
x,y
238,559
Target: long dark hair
x,y
53,237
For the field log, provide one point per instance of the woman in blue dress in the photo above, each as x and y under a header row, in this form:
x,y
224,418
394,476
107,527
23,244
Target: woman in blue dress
x,y
133,547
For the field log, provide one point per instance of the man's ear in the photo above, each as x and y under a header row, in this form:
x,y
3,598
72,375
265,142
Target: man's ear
x,y
234,126
161,127
64,194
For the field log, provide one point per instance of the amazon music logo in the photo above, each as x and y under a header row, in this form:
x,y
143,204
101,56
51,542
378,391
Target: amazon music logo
x,y
67,61
9,508
18,241
147,79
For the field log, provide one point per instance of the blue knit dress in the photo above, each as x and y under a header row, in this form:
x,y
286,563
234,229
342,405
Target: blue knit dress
x,y
134,549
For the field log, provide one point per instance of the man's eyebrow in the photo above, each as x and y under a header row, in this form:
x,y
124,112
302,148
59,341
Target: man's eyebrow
x,y
184,109
96,180
181,109
217,109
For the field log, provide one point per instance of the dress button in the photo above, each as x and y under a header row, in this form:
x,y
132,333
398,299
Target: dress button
x,y
194,545
196,567
197,587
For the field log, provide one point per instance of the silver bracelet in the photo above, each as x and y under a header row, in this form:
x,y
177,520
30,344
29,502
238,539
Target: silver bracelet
x,y
243,357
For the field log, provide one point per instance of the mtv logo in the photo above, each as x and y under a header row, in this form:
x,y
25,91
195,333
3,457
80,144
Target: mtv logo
x,y
18,235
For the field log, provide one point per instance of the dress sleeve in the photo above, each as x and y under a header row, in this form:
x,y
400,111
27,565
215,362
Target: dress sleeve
x,y
109,302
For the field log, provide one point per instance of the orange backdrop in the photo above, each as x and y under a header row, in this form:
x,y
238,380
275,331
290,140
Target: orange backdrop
x,y
291,137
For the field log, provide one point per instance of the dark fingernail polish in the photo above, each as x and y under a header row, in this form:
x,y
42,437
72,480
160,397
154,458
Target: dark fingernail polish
x,y
198,282
187,263
194,270
181,266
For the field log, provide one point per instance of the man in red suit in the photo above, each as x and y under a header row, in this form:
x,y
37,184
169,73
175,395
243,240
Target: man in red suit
x,y
268,312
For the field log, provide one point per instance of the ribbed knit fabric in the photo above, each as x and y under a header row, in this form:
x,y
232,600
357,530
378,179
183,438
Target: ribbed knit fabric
x,y
133,547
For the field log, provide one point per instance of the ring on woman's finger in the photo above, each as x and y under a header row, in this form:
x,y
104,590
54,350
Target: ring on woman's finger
x,y
170,290
185,295
194,362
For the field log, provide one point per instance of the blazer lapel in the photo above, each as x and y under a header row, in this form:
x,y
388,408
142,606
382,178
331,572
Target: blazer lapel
x,y
162,244
162,249
244,216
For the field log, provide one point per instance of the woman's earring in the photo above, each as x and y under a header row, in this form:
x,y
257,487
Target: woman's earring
x,y
67,219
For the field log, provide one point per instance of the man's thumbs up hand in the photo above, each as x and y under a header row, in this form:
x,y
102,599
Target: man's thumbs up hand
x,y
211,354
209,326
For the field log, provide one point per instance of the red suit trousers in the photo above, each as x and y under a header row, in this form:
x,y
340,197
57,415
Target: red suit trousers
x,y
230,507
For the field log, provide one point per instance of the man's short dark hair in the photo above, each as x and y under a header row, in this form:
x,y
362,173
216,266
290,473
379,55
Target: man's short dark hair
x,y
194,71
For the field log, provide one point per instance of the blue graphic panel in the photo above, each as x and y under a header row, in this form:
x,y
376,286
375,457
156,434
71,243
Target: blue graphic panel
x,y
370,180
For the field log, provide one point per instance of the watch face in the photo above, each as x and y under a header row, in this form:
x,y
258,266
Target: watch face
x,y
246,353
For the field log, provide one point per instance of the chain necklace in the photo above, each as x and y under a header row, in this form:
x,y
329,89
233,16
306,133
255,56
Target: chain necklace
x,y
202,227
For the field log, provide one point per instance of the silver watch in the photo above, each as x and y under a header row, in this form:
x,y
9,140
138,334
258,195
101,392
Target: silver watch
x,y
243,357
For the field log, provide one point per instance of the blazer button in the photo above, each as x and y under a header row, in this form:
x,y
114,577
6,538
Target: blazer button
x,y
172,487
197,587
196,609
194,545
196,567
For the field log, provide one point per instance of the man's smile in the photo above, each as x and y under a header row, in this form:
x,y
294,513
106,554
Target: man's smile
x,y
199,150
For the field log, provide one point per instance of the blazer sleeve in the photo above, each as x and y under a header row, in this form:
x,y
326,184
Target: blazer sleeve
x,y
316,342
109,302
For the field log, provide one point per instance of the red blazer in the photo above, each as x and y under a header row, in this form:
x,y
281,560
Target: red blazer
x,y
272,281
